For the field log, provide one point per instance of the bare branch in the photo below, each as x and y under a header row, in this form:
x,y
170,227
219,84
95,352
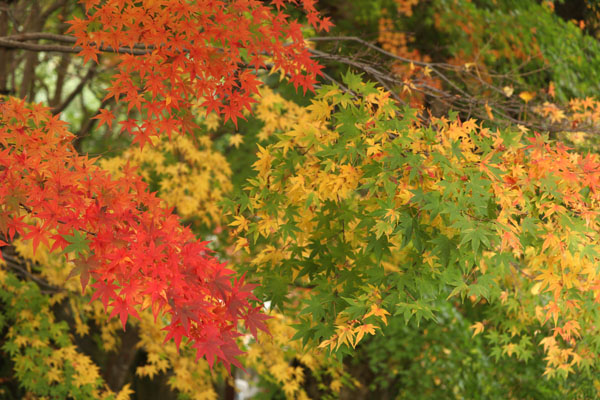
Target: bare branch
x,y
91,72
13,44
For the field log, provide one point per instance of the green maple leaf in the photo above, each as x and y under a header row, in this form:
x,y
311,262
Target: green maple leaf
x,y
79,244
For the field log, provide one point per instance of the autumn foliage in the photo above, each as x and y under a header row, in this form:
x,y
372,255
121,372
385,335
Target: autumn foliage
x,y
193,52
440,252
133,247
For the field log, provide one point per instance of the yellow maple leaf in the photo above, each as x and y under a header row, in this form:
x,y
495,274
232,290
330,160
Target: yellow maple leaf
x,y
535,289
54,375
241,243
551,90
378,312
240,222
427,71
336,385
236,140
125,393
527,96
488,110
20,341
361,330
328,342
320,109
345,335
477,328
263,165
392,215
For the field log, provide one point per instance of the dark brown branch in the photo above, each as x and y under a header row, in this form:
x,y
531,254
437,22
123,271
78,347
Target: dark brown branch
x,y
13,44
369,45
91,72
57,38
459,99
61,74
17,264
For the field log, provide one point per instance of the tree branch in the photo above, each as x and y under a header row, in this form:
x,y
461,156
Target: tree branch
x,y
90,73
14,44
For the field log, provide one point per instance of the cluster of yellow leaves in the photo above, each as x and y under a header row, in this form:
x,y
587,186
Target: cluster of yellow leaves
x,y
192,176
565,265
83,371
304,128
277,113
575,123
311,182
551,111
273,354
351,332
560,360
539,180
57,273
188,376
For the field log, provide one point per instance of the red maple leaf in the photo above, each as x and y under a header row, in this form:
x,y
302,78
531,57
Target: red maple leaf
x,y
255,319
37,234
104,116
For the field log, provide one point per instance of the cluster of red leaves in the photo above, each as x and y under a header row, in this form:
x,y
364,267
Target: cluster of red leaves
x,y
136,251
202,49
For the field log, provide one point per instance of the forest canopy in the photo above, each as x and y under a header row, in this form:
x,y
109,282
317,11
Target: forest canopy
x,y
292,199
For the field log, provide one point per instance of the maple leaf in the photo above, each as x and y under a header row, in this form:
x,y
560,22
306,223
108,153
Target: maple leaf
x,y
255,320
236,140
123,309
104,117
38,235
527,96
2,244
129,125
142,136
477,328
345,335
83,268
104,291
210,346
78,243
212,104
325,24
231,112
551,90
230,351
278,3
241,222
378,312
78,26
360,331
175,332
88,52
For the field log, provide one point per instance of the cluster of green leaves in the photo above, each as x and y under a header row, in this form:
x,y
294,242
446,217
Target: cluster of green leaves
x,y
525,37
442,359
358,212
45,360
375,235
352,210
